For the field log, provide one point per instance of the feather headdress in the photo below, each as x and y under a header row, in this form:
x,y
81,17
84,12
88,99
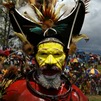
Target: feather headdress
x,y
48,18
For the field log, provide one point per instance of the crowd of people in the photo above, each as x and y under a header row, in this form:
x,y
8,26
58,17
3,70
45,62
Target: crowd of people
x,y
85,72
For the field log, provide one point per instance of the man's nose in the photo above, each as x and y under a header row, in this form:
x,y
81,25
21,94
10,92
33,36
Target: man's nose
x,y
50,60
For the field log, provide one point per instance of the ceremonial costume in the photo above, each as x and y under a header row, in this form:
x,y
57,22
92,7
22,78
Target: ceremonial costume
x,y
48,37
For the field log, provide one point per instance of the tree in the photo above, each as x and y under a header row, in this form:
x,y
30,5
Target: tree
x,y
5,27
6,32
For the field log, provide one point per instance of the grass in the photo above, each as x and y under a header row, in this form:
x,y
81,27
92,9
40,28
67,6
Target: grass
x,y
99,68
94,97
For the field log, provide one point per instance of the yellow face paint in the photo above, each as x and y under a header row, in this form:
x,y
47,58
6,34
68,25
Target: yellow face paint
x,y
50,53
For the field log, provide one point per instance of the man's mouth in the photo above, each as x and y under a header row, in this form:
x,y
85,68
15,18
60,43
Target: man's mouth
x,y
50,71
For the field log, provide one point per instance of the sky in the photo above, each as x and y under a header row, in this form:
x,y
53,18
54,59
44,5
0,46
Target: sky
x,y
92,28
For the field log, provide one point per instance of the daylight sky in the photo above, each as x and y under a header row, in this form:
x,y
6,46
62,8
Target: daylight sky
x,y
92,27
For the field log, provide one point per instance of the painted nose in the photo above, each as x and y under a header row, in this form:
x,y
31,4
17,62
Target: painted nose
x,y
50,60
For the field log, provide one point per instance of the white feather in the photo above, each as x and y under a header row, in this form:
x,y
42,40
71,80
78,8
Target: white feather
x,y
69,5
27,8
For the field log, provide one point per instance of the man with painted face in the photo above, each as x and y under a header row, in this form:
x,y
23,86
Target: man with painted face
x,y
50,35
50,57
47,82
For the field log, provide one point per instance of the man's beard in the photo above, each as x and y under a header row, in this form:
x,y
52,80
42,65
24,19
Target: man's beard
x,y
50,81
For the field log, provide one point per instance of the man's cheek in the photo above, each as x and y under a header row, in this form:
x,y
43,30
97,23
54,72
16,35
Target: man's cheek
x,y
61,59
40,61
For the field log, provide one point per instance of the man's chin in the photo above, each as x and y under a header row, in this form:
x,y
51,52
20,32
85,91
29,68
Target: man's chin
x,y
53,81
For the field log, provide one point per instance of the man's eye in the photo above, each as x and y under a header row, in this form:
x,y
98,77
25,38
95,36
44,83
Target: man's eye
x,y
43,53
57,54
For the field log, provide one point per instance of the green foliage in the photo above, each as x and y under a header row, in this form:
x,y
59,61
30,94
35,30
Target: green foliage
x,y
94,97
0,10
99,68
